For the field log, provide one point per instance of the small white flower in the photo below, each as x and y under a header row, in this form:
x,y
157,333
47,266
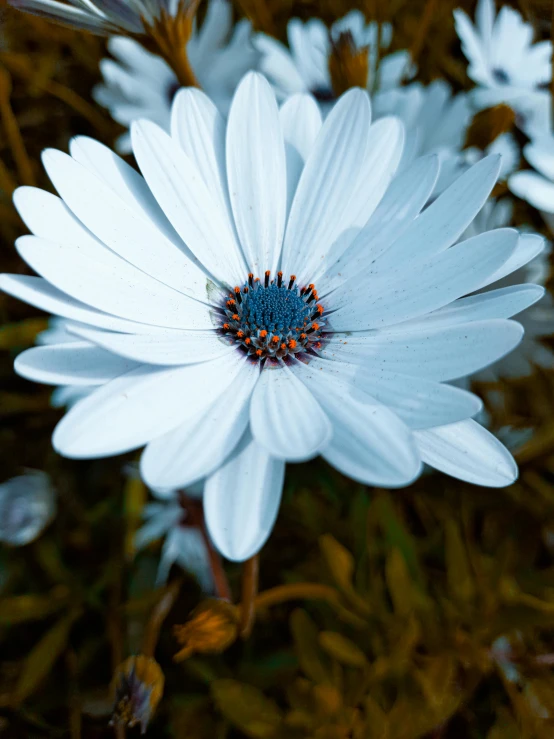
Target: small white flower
x,y
104,16
140,84
504,62
27,505
265,292
184,543
304,66
536,186
538,321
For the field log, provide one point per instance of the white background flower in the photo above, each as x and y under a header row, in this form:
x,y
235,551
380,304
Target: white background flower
x,y
140,84
504,62
27,505
304,66
151,264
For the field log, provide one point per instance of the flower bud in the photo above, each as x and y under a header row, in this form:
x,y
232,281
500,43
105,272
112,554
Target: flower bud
x,y
212,628
137,687
27,505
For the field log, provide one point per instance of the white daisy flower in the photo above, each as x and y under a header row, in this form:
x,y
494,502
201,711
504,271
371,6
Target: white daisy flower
x,y
503,61
536,185
27,506
266,292
184,544
305,67
105,16
538,321
139,84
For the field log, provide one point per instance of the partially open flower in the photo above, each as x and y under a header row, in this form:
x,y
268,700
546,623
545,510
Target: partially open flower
x,y
212,628
137,688
140,84
27,505
105,16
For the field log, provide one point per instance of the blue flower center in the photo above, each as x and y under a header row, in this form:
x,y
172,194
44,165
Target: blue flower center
x,y
274,318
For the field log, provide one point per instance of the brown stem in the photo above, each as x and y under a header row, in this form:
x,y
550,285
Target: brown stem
x,y
195,517
13,134
296,591
159,614
250,581
171,35
419,41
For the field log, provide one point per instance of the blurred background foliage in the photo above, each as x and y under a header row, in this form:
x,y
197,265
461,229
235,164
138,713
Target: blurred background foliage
x,y
426,612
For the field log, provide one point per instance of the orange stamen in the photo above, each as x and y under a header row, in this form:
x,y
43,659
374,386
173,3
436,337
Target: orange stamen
x,y
275,339
226,326
263,334
248,341
240,334
315,326
235,316
292,344
259,352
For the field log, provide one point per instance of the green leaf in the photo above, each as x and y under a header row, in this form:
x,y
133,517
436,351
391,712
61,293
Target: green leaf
x,y
342,649
247,708
306,639
21,608
458,569
341,567
43,656
397,535
399,583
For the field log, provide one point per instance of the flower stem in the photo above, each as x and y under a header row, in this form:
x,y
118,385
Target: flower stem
x,y
296,591
159,614
250,581
196,519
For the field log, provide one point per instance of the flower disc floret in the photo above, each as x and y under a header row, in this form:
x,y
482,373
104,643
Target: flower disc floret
x,y
274,317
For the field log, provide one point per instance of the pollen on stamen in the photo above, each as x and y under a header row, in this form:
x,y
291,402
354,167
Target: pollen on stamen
x,y
273,318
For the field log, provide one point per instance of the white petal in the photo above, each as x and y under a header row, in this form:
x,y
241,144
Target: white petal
x,y
196,448
301,123
502,303
436,354
326,186
112,285
384,299
420,403
528,247
469,452
241,500
402,202
534,188
256,173
180,190
120,177
199,128
71,364
119,226
445,220
173,347
41,294
370,443
286,419
385,141
141,405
